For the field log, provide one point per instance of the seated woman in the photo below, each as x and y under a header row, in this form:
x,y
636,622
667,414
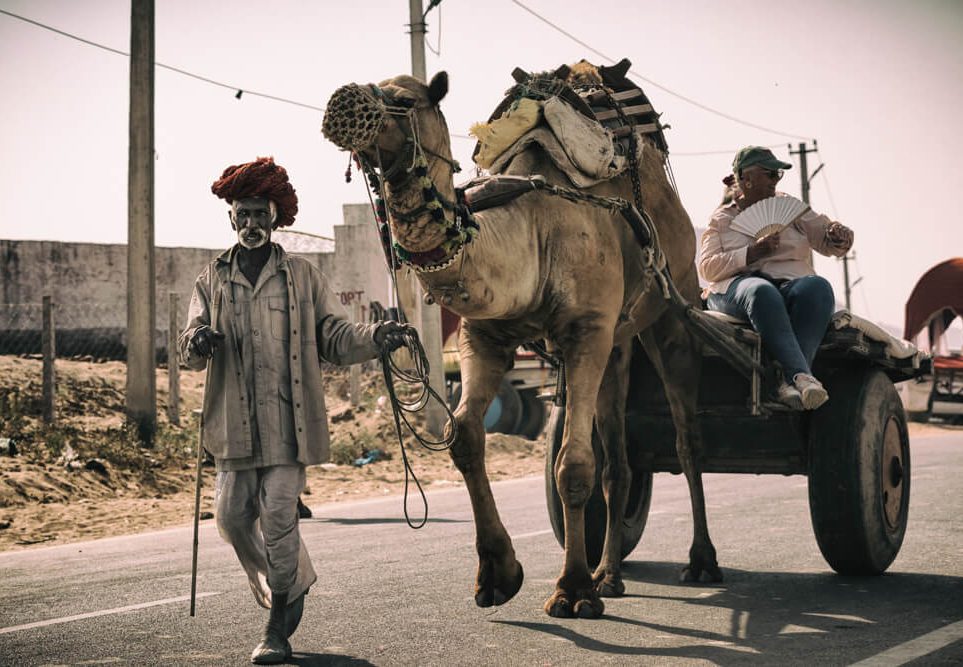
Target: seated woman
x,y
770,281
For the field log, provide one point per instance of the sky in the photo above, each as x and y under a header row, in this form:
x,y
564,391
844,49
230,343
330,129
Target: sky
x,y
878,84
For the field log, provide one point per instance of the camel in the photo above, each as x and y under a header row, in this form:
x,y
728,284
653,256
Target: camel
x,y
539,267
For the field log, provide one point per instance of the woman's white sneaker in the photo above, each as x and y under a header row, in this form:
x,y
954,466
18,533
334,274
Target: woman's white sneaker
x,y
812,391
789,395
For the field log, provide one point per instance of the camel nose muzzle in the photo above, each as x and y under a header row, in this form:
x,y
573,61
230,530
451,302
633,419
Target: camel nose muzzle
x,y
353,118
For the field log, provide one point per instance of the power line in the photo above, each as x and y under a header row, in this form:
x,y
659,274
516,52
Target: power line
x,y
238,90
829,191
657,85
731,151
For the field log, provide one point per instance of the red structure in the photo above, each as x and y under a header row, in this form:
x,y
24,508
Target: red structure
x,y
936,300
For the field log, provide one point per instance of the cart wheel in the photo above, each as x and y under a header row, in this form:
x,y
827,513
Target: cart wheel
x,y
504,413
533,414
636,507
859,473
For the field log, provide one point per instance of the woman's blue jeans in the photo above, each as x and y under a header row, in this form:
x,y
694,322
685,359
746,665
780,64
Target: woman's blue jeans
x,y
791,317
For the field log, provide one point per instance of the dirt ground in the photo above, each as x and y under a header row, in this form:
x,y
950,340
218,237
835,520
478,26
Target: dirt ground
x,y
88,478
72,484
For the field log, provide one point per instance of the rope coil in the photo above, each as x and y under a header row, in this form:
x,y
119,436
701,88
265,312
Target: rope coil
x,y
401,408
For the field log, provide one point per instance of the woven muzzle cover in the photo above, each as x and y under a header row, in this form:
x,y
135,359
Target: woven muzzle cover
x,y
353,118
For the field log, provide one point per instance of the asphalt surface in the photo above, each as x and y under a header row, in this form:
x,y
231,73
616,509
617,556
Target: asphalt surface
x,y
390,595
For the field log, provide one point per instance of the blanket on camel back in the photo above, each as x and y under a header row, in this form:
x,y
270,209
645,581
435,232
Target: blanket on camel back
x,y
590,121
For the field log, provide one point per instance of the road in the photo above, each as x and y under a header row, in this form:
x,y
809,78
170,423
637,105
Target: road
x,y
389,595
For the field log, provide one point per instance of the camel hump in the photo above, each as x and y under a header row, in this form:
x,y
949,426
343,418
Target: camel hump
x,y
587,118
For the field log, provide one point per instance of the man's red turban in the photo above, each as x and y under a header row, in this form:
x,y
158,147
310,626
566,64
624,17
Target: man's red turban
x,y
261,178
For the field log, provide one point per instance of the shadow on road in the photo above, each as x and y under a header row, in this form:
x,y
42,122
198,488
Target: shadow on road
x,y
771,615
345,521
326,660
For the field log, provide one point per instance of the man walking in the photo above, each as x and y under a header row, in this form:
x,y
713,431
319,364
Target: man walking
x,y
260,319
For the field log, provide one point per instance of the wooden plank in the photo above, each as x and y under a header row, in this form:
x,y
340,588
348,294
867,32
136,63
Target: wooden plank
x,y
625,130
173,363
49,348
601,96
636,110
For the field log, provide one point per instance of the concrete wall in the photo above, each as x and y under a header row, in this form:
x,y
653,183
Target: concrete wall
x,y
88,284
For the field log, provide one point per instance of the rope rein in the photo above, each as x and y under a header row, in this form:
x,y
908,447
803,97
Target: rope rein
x,y
357,132
401,409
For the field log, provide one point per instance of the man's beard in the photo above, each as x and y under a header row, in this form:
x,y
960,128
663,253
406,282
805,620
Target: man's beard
x,y
258,237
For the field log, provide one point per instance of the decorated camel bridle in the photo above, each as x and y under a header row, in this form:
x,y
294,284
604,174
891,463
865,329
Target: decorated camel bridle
x,y
355,116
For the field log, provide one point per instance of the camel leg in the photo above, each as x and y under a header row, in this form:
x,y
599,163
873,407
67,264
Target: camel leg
x,y
676,358
585,357
616,475
483,365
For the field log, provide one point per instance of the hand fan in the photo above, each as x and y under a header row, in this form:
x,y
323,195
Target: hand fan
x,y
768,215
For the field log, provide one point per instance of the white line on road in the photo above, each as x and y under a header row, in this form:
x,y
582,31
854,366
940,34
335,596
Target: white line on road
x,y
105,612
915,648
534,534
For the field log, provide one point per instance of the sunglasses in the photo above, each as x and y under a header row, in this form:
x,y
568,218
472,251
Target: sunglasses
x,y
774,174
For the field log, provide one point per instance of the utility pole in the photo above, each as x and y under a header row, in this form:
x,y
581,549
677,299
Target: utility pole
x,y
803,167
428,318
141,379
805,179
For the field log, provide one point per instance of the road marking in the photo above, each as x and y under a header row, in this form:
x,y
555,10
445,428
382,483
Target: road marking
x,y
105,612
534,534
915,648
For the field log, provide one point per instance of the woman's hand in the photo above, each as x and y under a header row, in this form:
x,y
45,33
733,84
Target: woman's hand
x,y
839,235
762,248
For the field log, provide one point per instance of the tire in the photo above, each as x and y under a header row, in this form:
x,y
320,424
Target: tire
x,y
636,508
859,473
533,414
505,412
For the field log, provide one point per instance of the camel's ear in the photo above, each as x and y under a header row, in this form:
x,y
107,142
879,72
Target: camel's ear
x,y
438,88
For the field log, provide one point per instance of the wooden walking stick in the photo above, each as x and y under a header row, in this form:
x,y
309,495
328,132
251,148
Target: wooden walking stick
x,y
197,503
200,445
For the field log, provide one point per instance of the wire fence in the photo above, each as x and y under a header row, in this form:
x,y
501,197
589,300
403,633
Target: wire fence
x,y
97,331
93,331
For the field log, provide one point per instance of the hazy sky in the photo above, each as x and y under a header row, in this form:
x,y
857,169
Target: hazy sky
x,y
878,83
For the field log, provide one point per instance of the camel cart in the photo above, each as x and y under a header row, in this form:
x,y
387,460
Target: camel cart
x,y
854,449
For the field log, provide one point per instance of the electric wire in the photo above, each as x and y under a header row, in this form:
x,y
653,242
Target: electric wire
x,y
238,90
437,51
829,191
731,151
669,91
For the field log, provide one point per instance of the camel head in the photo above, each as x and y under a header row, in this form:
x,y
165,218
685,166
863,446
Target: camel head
x,y
398,134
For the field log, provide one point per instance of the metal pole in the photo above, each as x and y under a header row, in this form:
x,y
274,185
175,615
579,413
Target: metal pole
x,y
141,381
173,364
427,318
49,349
197,502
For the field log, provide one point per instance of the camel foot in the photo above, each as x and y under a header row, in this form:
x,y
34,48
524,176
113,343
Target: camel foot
x,y
587,604
492,589
707,574
608,584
